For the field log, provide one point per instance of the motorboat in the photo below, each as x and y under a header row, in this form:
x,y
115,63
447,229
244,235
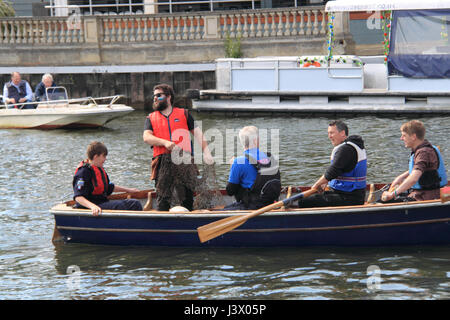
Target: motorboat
x,y
58,111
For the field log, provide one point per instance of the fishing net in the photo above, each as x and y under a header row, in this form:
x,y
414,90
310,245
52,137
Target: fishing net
x,y
207,191
173,177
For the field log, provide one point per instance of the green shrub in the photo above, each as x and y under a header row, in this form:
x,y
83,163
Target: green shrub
x,y
233,47
6,9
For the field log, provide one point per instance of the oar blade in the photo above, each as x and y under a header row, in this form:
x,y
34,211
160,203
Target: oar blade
x,y
217,228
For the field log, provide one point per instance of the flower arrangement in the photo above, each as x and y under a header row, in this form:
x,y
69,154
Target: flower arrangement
x,y
307,62
386,26
317,62
330,41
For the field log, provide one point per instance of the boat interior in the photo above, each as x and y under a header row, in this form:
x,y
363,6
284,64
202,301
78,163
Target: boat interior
x,y
148,200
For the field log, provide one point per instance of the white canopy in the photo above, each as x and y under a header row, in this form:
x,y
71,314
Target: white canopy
x,y
380,5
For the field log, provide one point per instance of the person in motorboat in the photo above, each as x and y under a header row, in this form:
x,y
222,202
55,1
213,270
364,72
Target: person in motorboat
x,y
254,178
91,184
426,173
167,130
344,181
40,92
17,91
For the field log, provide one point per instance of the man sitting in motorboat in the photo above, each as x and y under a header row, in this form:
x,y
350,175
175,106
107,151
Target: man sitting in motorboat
x,y
18,91
254,178
346,176
40,92
426,173
91,184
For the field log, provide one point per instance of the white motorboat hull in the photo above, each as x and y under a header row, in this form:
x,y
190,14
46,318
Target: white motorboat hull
x,y
53,117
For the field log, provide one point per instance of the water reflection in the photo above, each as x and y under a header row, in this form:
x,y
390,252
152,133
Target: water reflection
x,y
257,273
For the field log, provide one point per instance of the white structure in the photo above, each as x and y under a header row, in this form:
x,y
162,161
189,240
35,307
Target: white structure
x,y
414,77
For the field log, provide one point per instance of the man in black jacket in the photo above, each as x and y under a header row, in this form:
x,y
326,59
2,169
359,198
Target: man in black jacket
x,y
40,93
346,176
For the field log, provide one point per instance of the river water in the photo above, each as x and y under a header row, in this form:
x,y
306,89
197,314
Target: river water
x,y
37,168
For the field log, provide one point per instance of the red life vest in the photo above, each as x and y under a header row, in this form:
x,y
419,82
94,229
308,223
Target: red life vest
x,y
173,128
99,180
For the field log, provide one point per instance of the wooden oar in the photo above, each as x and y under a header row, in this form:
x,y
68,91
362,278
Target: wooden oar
x,y
289,194
217,228
445,194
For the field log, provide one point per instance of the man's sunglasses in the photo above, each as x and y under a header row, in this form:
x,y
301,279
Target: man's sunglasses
x,y
158,95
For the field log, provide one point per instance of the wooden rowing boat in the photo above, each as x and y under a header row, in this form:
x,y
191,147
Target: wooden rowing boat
x,y
414,223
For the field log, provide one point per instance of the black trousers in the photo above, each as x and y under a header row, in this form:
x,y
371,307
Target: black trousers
x,y
235,206
332,199
163,204
126,204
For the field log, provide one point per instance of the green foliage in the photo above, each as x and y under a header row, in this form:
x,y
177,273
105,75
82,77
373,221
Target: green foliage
x,y
233,47
6,9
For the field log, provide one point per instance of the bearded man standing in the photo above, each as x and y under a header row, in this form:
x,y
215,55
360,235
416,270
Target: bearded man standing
x,y
167,130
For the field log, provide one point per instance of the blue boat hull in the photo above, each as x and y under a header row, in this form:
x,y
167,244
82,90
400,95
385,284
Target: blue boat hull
x,y
375,225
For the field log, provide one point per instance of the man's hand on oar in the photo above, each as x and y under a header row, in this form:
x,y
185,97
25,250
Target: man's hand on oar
x,y
217,228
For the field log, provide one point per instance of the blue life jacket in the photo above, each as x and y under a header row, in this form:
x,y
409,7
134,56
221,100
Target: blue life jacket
x,y
355,179
432,179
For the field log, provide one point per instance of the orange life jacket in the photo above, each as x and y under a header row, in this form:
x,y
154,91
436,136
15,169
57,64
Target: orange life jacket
x,y
99,180
173,128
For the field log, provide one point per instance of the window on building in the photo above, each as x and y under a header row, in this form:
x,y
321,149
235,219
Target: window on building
x,y
108,6
100,7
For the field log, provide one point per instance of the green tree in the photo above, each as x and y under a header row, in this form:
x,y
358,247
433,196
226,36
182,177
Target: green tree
x,y
6,9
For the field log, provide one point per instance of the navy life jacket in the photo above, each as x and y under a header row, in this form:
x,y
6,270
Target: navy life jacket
x,y
267,186
354,179
15,93
431,179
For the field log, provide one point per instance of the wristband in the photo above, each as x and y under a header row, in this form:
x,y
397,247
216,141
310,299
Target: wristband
x,y
395,194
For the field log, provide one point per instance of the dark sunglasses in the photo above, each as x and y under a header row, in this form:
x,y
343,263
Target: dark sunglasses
x,y
158,95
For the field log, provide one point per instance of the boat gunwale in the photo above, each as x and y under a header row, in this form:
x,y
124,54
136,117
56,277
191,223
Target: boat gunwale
x,y
86,109
368,208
